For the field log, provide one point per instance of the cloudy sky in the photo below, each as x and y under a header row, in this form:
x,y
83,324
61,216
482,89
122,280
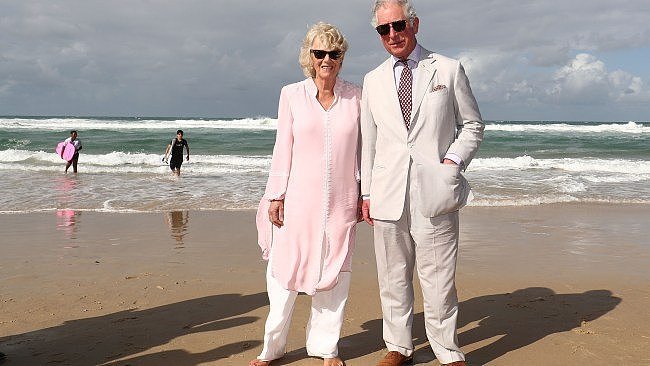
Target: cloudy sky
x,y
527,60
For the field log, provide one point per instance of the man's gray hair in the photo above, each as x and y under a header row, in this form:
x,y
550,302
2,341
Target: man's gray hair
x,y
406,5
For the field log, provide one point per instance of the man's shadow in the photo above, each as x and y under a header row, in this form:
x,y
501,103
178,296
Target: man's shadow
x,y
102,339
521,318
526,316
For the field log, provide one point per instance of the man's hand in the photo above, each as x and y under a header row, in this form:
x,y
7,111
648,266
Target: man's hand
x,y
187,158
276,213
448,161
365,211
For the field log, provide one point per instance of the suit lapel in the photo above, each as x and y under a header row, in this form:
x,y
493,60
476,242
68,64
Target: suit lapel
x,y
391,99
426,72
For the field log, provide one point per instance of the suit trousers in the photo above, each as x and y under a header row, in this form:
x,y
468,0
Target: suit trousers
x,y
431,246
325,320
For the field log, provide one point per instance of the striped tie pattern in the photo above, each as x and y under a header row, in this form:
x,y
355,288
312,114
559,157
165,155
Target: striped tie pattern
x,y
404,93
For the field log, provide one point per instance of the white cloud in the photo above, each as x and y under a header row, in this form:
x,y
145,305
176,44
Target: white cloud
x,y
497,77
582,81
586,80
501,78
631,87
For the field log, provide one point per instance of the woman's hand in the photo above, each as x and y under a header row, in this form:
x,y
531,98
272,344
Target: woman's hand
x,y
276,213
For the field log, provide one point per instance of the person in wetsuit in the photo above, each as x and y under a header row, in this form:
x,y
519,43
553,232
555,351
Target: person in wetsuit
x,y
176,148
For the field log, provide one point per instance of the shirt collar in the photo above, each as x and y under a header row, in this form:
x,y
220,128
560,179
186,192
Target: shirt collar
x,y
414,57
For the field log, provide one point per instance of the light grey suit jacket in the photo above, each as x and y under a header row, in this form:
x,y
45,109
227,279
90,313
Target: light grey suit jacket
x,y
445,119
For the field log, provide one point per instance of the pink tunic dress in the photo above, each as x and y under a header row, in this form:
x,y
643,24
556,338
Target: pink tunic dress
x,y
315,168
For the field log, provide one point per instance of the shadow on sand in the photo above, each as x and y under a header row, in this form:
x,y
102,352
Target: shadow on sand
x,y
100,340
521,318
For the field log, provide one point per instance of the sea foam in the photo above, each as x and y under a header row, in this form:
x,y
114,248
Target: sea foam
x,y
630,127
65,124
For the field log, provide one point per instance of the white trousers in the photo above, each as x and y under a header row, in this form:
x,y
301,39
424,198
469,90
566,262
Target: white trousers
x,y
431,246
325,320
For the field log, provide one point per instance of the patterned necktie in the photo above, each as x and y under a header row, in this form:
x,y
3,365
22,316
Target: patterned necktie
x,y
404,93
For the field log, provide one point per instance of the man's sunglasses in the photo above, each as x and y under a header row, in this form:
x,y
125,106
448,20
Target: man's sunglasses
x,y
398,26
320,54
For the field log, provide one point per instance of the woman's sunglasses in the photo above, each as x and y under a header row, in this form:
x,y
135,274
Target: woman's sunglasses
x,y
320,54
398,26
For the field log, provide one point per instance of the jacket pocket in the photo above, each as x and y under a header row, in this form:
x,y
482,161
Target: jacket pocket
x,y
441,188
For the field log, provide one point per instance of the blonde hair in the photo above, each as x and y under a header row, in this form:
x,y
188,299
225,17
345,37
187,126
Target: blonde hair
x,y
329,36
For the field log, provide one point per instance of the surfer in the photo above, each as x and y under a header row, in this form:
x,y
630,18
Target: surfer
x,y
77,146
176,147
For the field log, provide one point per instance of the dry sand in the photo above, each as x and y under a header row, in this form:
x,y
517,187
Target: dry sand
x,y
546,285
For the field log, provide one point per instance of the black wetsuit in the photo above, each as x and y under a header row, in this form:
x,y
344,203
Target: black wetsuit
x,y
177,153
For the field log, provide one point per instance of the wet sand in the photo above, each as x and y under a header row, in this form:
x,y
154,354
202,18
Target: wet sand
x,y
544,285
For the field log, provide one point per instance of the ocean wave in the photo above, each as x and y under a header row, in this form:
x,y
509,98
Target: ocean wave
x,y
141,162
630,127
269,123
187,169
123,163
117,158
566,184
576,165
551,199
65,124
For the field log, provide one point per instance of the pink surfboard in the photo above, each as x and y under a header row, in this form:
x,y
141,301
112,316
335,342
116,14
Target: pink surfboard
x,y
68,150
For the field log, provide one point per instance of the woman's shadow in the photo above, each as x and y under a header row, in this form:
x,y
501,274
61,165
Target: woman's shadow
x,y
521,318
125,334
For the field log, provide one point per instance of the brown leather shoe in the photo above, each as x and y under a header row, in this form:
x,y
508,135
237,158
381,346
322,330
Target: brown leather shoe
x,y
456,363
394,358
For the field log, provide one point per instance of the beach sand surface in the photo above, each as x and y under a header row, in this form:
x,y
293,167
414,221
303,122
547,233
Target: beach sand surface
x,y
543,285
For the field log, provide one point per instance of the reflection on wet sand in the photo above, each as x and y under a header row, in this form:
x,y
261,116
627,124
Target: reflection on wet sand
x,y
66,221
64,186
178,222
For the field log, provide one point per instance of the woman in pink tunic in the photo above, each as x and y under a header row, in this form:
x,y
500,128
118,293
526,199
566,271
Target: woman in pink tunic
x,y
306,219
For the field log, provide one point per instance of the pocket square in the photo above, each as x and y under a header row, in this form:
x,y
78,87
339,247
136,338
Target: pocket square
x,y
439,87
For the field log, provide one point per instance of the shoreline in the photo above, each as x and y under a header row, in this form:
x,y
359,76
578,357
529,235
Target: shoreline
x,y
547,284
568,204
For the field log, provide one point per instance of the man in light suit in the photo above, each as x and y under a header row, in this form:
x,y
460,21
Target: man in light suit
x,y
420,128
